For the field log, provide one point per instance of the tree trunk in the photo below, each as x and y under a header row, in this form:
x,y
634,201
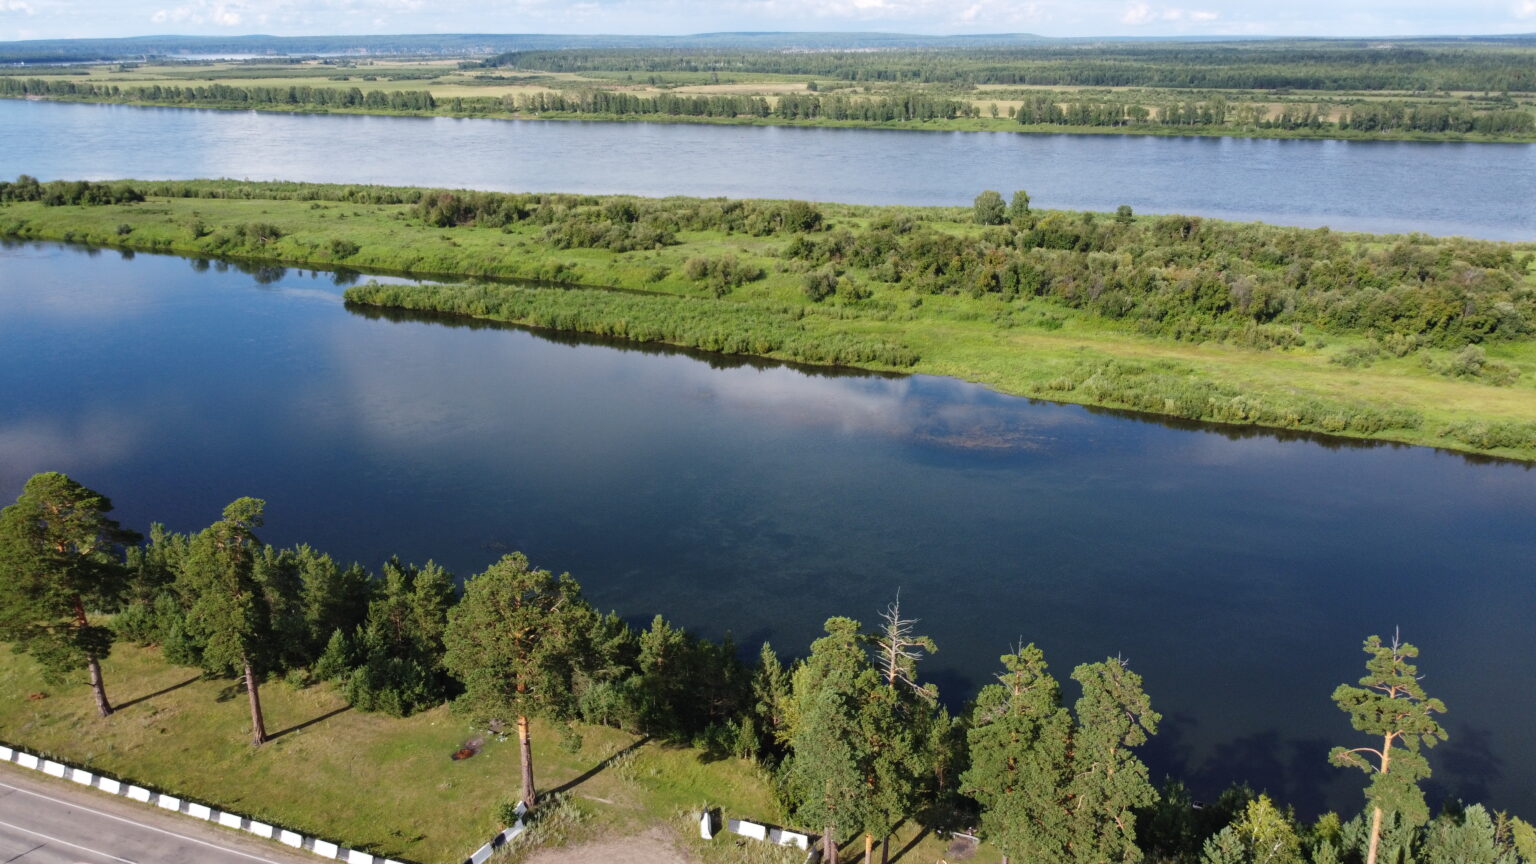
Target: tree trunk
x,y
829,846
869,849
1386,765
258,724
1370,855
885,850
93,664
525,749
100,689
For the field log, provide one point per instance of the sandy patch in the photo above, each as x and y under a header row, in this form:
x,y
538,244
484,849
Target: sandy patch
x,y
651,847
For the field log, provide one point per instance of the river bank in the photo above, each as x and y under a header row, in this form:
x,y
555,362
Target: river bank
x,y
486,109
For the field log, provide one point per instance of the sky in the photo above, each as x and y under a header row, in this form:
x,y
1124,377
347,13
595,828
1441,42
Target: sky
x,y
57,19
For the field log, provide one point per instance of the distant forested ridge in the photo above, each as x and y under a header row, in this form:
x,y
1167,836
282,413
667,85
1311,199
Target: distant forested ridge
x,y
1260,65
464,44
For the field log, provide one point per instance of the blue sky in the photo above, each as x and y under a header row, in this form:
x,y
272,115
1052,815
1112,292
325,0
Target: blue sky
x,y
40,19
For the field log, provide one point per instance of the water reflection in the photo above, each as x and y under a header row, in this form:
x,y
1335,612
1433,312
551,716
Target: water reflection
x,y
1481,190
745,496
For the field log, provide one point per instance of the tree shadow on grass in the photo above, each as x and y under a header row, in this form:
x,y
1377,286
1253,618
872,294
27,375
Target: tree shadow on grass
x,y
911,844
598,768
148,696
308,723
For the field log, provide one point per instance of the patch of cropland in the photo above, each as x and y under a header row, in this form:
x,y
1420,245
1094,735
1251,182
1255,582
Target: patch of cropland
x,y
1407,338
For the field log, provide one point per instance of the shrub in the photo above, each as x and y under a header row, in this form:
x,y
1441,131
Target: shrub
x,y
819,284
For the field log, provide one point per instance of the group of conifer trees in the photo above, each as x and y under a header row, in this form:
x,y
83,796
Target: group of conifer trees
x,y
858,742
224,95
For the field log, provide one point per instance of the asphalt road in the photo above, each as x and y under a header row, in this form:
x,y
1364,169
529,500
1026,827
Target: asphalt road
x,y
48,821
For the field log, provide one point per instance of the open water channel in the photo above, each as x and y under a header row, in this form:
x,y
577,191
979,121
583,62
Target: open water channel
x,y
1480,190
1236,570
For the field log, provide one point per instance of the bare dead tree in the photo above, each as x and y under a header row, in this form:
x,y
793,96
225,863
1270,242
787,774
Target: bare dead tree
x,y
899,649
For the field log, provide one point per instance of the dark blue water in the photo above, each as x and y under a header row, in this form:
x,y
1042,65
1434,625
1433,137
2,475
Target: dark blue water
x,y
1237,572
1480,190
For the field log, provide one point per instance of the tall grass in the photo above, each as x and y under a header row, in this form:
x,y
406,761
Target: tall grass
x,y
709,325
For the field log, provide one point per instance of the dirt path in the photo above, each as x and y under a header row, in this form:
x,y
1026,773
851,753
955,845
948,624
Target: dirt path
x,y
652,847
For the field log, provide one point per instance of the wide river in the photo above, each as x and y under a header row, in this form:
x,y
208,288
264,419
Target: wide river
x,y
1237,571
1480,190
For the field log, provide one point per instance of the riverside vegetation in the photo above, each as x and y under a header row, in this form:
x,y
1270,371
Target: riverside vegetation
x,y
1405,338
851,740
1475,89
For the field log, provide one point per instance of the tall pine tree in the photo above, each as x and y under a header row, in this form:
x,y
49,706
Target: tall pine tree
x,y
228,614
1390,704
824,777
516,640
59,556
1109,782
1020,740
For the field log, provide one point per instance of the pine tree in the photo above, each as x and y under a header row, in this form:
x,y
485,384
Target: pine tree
x,y
1109,782
1020,738
399,650
516,640
227,611
775,701
1391,704
334,599
59,555
1461,838
824,778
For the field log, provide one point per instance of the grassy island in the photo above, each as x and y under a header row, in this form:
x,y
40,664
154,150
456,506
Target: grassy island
x,y
1406,338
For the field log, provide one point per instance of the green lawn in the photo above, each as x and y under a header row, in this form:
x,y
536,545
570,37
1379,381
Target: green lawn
x,y
370,781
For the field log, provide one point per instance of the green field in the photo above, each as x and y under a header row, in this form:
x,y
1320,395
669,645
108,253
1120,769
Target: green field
x,y
1335,380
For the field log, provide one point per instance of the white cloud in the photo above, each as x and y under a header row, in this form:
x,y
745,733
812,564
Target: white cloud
x,y
1140,14
1137,14
1526,9
20,6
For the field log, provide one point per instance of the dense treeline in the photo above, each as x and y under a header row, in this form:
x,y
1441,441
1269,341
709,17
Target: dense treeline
x,y
1193,279
59,193
1245,66
1394,116
1497,116
792,106
857,740
224,95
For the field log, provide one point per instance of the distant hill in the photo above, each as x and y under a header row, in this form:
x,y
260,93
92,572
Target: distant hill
x,y
464,44
488,44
